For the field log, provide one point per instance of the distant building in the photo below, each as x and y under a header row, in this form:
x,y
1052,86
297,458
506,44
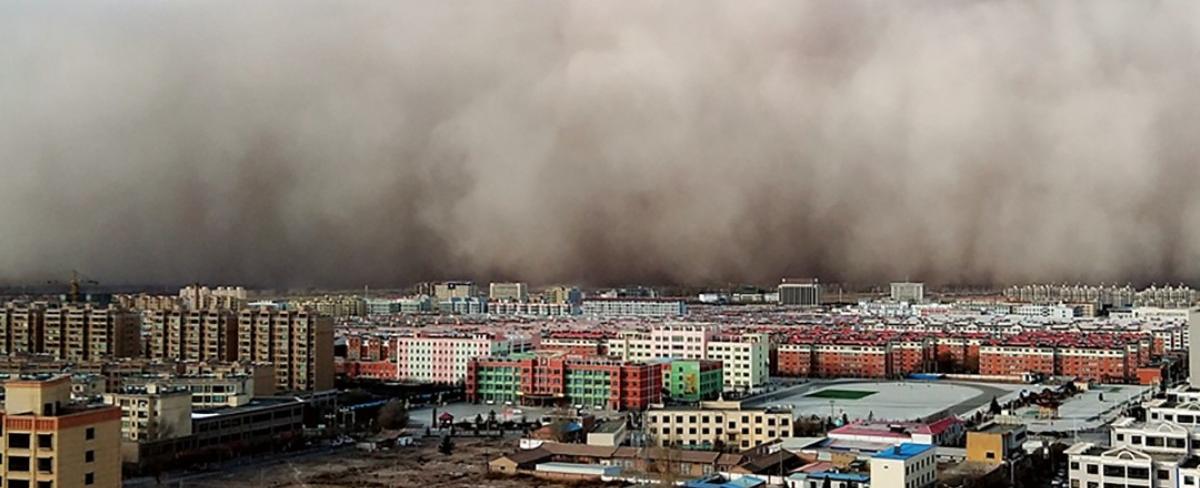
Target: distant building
x,y
532,309
454,289
50,442
908,292
203,297
562,294
630,307
802,292
464,306
508,292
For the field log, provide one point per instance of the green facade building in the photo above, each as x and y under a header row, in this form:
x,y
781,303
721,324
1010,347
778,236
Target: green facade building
x,y
694,380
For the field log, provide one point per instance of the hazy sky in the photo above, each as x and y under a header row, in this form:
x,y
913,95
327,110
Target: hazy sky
x,y
347,143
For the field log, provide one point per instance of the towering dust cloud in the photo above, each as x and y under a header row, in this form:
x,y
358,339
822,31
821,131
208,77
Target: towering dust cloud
x,y
345,143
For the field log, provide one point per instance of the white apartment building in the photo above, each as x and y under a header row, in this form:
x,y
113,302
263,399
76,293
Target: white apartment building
x,y
444,358
745,359
904,466
531,309
626,307
908,292
1160,453
716,424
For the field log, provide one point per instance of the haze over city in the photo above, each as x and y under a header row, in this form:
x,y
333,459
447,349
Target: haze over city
x,y
310,143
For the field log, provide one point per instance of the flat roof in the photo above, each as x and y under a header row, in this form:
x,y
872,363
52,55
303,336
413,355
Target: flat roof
x,y
903,451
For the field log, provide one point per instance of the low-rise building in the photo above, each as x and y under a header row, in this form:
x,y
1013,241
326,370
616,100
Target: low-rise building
x,y
717,425
904,466
153,412
995,443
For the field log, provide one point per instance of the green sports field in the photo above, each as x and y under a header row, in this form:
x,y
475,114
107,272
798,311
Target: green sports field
x,y
841,394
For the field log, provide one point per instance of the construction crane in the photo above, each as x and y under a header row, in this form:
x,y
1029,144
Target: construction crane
x,y
75,285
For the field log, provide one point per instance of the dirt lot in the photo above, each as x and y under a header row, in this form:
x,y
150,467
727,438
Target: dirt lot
x,y
420,466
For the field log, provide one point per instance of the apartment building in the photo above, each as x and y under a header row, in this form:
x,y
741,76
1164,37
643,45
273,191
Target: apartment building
x,y
745,358
1016,359
191,335
579,343
443,358
21,327
904,466
86,332
1159,453
531,309
717,425
49,442
153,412
693,380
558,378
633,307
299,343
454,289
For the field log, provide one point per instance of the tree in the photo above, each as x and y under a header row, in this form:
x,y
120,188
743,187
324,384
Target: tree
x,y
446,447
1101,397
994,408
491,418
393,415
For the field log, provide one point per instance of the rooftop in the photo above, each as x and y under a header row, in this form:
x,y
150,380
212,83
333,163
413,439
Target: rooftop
x,y
903,451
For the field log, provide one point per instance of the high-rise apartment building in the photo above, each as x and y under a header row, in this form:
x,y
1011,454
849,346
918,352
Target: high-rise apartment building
x,y
803,292
21,327
298,342
508,292
48,442
85,332
191,335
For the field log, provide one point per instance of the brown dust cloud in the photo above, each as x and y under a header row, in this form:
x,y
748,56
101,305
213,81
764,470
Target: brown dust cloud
x,y
322,143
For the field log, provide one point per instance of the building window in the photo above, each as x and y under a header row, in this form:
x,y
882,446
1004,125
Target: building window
x,y
18,463
18,483
90,433
45,441
1093,469
89,479
45,484
45,465
89,456
18,441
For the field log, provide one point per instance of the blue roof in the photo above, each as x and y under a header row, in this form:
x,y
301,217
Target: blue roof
x,y
833,476
718,481
902,451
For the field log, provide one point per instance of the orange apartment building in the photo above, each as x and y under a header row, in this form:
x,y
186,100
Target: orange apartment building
x,y
1009,360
